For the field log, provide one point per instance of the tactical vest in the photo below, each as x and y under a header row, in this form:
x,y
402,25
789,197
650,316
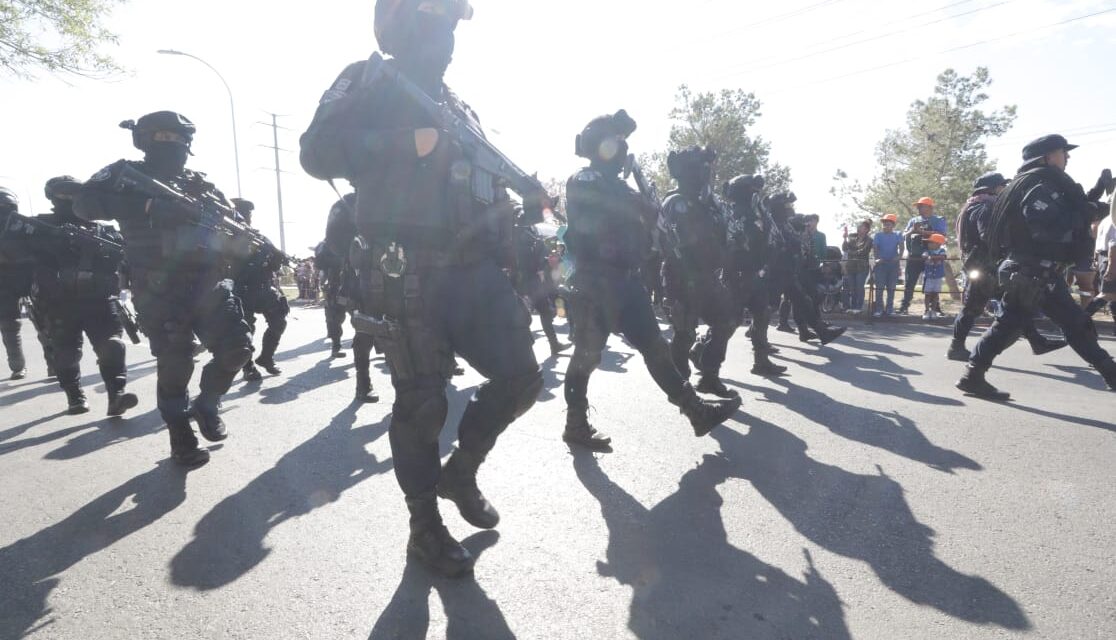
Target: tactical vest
x,y
434,206
605,226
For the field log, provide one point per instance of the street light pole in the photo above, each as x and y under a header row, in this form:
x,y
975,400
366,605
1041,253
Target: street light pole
x,y
232,107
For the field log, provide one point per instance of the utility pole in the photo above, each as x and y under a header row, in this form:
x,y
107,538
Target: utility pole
x,y
274,124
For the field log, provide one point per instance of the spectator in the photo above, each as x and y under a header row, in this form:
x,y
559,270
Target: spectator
x,y
858,250
933,276
1106,262
888,248
918,230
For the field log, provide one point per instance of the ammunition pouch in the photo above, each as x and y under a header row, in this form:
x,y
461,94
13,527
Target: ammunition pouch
x,y
1024,290
393,316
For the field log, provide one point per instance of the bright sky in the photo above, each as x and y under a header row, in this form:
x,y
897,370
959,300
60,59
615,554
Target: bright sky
x,y
832,74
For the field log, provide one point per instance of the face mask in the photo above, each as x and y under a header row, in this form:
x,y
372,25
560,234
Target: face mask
x,y
167,157
429,49
63,208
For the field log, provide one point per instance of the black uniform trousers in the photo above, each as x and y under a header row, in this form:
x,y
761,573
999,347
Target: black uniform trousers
x,y
604,302
978,293
750,291
266,300
540,299
15,283
911,273
173,308
1058,304
708,300
466,310
69,315
336,310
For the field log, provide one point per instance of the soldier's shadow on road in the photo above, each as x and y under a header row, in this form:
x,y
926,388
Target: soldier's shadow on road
x,y
229,540
135,372
892,431
688,581
864,517
875,373
89,437
321,374
30,567
470,613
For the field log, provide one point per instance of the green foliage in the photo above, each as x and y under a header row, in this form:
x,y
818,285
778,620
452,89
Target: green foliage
x,y
939,153
722,120
55,35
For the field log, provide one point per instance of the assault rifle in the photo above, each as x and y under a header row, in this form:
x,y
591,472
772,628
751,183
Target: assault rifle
x,y
488,161
208,212
66,235
128,319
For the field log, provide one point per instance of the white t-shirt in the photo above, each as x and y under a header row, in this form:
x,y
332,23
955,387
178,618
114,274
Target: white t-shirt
x,y
1106,235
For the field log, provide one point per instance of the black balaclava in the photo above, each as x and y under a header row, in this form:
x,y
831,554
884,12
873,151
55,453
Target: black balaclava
x,y
427,50
693,170
166,159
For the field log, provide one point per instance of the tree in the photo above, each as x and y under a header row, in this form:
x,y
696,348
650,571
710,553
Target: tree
x,y
939,153
722,120
56,35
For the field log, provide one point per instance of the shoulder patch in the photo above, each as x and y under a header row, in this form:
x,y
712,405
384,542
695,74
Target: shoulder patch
x,y
588,175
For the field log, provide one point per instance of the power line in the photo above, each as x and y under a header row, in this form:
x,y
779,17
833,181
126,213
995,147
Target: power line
x,y
876,28
942,52
777,18
871,39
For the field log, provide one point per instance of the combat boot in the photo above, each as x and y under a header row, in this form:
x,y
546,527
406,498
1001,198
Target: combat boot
x,y
706,414
120,402
459,485
1108,370
268,365
364,391
958,352
430,541
557,347
711,383
1047,345
336,351
766,368
784,327
579,431
18,374
805,335
766,349
76,400
251,373
184,446
205,411
974,384
829,334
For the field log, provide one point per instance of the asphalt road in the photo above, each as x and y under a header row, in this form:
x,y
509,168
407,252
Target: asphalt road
x,y
862,497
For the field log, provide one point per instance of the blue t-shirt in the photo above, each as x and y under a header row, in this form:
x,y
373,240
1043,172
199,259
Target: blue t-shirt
x,y
937,224
886,244
935,263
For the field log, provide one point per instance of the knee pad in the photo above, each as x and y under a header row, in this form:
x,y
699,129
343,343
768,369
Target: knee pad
x,y
423,411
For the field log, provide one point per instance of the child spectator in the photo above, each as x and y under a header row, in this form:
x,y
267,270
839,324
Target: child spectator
x,y
933,275
888,248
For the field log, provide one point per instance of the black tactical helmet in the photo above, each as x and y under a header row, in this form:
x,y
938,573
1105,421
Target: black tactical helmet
x,y
989,181
392,17
61,188
161,126
244,206
742,188
690,163
588,144
9,201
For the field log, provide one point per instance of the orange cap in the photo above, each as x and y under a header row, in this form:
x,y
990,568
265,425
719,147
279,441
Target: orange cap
x,y
937,238
891,217
926,201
